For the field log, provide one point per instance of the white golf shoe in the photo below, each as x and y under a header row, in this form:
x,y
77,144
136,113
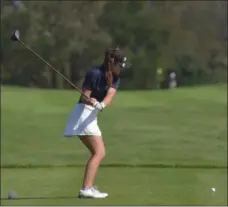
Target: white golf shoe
x,y
91,193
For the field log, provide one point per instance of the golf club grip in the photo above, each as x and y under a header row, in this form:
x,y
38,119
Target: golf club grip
x,y
54,69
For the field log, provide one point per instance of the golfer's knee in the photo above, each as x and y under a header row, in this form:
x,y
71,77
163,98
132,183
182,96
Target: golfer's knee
x,y
100,155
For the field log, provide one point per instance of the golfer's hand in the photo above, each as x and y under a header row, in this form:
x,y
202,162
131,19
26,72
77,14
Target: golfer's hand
x,y
99,105
89,101
92,101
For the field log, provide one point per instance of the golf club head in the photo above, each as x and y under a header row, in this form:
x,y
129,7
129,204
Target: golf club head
x,y
15,36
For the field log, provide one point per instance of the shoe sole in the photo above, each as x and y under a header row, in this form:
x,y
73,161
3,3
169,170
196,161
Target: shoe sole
x,y
85,197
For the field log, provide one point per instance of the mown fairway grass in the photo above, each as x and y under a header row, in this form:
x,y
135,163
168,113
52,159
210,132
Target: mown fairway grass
x,y
163,148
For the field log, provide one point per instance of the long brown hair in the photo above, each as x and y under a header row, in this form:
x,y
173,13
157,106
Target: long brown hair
x,y
108,64
111,68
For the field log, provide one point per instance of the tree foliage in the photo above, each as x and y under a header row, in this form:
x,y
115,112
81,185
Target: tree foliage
x,y
190,37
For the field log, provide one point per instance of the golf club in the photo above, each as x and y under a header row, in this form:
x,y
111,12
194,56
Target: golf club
x,y
16,37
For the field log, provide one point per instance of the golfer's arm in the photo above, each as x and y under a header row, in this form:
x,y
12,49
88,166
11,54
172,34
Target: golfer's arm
x,y
87,93
109,97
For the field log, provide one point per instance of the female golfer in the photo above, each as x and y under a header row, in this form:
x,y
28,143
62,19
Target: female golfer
x,y
100,86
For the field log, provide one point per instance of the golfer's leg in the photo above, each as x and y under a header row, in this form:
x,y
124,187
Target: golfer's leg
x,y
96,146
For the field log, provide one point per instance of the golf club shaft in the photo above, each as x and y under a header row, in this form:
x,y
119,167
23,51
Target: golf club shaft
x,y
79,90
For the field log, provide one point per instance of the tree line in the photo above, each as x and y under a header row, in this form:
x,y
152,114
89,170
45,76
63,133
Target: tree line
x,y
187,37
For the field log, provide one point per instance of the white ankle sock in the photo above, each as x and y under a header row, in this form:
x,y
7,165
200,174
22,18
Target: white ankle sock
x,y
86,189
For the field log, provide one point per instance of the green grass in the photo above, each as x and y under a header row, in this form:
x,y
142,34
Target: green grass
x,y
137,186
163,148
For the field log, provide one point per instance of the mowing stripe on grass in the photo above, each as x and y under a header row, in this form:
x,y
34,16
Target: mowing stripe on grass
x,y
120,166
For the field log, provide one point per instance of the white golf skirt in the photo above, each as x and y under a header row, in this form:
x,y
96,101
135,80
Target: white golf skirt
x,y
83,121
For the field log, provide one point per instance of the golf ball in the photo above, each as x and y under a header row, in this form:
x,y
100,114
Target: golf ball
x,y
213,189
12,195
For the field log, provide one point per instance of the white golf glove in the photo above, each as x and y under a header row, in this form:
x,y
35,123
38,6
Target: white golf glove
x,y
99,105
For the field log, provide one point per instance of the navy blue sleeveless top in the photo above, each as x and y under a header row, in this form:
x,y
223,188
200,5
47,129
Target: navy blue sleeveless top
x,y
96,82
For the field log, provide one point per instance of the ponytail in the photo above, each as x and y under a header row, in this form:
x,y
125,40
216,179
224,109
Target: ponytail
x,y
108,67
111,66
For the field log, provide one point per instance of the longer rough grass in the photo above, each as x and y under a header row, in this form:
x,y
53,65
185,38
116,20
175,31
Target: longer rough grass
x,y
176,128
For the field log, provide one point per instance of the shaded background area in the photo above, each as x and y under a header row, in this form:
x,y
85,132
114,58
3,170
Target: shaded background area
x,y
189,38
